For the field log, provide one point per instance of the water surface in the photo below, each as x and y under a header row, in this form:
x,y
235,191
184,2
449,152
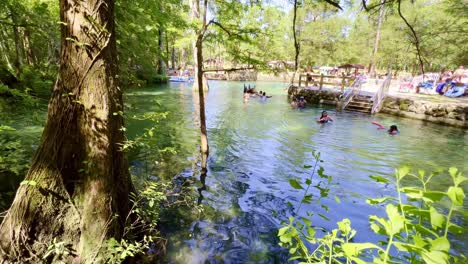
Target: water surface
x,y
256,147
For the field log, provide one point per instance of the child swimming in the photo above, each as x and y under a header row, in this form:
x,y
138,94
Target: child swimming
x,y
393,130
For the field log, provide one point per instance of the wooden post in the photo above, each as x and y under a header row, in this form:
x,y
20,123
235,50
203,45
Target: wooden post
x,y
300,75
321,81
307,80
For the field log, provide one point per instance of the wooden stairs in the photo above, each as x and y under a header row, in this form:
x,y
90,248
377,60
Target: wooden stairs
x,y
360,103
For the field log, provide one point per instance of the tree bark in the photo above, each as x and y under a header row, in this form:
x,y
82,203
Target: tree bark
x,y
377,39
29,53
167,49
5,49
77,190
201,84
297,47
18,44
161,67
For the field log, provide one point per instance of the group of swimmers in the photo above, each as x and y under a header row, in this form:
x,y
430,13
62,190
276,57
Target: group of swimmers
x,y
250,92
300,104
325,118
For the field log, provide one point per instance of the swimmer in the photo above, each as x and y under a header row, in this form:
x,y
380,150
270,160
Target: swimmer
x,y
324,118
393,130
301,103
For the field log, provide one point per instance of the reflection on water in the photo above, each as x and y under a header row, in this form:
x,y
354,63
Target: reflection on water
x,y
257,146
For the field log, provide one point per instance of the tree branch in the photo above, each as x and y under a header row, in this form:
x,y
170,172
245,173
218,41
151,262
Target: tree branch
x,y
212,22
415,36
335,4
369,8
230,69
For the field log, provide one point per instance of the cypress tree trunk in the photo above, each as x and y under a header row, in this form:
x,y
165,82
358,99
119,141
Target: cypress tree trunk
x,y
201,83
297,47
78,185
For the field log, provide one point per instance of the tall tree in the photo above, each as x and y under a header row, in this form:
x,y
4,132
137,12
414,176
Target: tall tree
x,y
297,47
377,38
200,82
77,190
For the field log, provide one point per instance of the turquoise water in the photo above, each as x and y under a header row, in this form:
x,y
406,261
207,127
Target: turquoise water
x,y
256,147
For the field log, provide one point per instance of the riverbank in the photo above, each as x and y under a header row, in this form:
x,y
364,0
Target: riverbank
x,y
435,109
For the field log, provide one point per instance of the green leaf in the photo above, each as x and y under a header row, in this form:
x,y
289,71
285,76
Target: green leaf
x,y
453,172
307,199
396,221
413,192
295,184
456,229
306,221
435,257
379,178
402,172
378,200
456,195
440,244
324,217
283,230
344,226
354,249
337,199
433,196
437,219
307,166
308,182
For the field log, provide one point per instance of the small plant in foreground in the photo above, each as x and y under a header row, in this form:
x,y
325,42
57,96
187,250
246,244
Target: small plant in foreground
x,y
416,228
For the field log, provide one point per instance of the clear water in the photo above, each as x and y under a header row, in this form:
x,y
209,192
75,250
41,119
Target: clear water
x,y
256,147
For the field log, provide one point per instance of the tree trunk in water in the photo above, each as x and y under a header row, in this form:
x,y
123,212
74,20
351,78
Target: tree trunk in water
x,y
377,39
201,84
296,44
77,190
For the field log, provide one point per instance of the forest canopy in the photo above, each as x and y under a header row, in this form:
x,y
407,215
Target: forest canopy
x,y
153,36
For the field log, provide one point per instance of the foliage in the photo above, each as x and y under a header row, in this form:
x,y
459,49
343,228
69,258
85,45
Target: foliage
x,y
57,251
14,157
416,224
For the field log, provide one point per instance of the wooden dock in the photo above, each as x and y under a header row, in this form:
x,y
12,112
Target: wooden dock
x,y
319,80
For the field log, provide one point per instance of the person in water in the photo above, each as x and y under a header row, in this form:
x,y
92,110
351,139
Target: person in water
x,y
393,130
301,103
324,118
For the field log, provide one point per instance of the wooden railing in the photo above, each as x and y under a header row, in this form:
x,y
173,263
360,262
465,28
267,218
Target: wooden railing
x,y
351,91
320,80
381,93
